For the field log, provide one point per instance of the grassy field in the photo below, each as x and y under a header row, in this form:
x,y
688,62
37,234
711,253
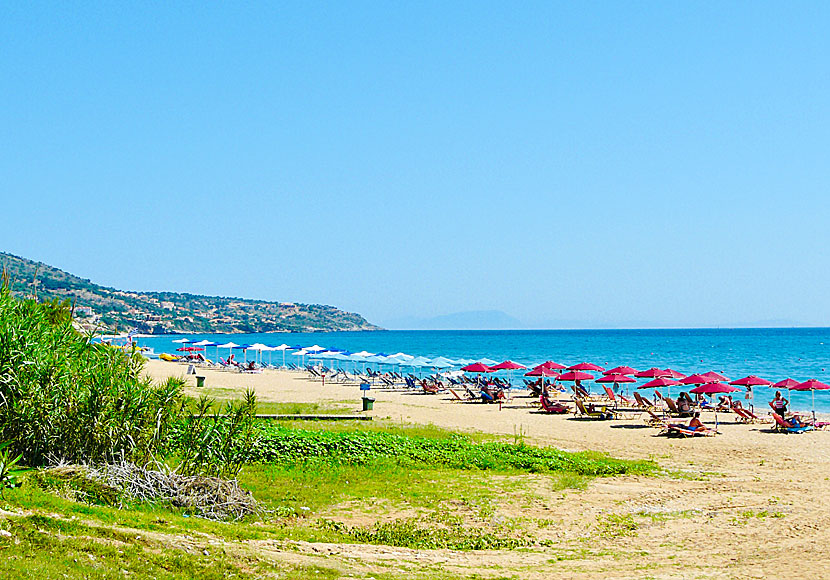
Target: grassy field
x,y
338,496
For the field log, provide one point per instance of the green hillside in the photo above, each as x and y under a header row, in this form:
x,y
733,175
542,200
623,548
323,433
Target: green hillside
x,y
110,310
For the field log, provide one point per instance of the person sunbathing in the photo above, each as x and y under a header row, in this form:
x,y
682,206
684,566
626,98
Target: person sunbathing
x,y
695,425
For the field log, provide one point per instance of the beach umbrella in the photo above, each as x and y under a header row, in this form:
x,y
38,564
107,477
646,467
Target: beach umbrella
x,y
362,353
315,348
549,364
257,348
673,374
786,384
227,345
620,371
477,368
812,385
541,372
444,362
189,348
486,361
751,381
713,388
715,377
300,353
283,347
660,382
182,341
651,373
575,376
507,365
615,378
696,380
586,366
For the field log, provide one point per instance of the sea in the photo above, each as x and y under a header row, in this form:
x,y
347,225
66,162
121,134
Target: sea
x,y
771,353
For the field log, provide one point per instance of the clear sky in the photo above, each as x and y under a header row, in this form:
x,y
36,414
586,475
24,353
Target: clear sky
x,y
571,164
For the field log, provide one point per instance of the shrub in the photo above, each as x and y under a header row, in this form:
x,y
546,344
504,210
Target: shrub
x,y
62,397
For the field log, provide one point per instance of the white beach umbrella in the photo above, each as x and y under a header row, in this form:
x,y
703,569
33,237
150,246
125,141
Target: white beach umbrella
x,y
487,361
301,353
283,347
363,353
227,345
315,348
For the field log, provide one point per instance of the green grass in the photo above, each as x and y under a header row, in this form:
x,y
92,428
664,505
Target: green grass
x,y
281,445
222,395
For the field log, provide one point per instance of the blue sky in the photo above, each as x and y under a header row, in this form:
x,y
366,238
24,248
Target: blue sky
x,y
584,164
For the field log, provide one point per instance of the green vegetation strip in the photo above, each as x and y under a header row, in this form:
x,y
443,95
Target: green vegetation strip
x,y
281,445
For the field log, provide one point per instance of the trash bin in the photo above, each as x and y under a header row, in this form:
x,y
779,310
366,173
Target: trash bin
x,y
200,382
368,403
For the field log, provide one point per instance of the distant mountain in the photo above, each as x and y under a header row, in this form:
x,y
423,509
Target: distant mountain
x,y
469,320
107,309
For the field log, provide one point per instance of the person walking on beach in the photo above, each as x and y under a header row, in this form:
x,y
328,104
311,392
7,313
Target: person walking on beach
x,y
779,404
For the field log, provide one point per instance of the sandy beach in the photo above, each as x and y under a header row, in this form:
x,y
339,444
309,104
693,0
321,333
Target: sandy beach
x,y
741,504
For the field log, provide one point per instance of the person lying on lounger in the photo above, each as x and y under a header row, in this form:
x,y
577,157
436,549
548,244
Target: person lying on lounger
x,y
695,425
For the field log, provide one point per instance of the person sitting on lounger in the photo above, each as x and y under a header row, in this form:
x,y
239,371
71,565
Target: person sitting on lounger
x,y
724,403
684,403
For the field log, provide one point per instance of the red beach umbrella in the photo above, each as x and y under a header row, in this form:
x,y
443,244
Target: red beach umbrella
x,y
660,382
751,381
673,374
615,378
811,385
786,384
189,348
651,373
542,372
586,366
507,365
575,376
696,380
549,364
477,368
713,376
620,371
712,388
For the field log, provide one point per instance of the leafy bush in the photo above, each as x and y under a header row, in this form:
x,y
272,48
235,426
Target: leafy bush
x,y
281,445
216,444
62,397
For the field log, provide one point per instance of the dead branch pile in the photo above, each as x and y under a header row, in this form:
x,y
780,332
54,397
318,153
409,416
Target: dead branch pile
x,y
208,497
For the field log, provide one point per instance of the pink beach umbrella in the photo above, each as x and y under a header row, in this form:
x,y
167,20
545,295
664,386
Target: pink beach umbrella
x,y
575,376
477,368
651,373
715,377
713,388
541,372
620,371
615,378
586,366
507,365
660,382
549,364
786,384
673,374
696,380
812,385
751,381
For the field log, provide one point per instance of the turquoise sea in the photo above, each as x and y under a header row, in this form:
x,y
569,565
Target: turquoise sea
x,y
771,353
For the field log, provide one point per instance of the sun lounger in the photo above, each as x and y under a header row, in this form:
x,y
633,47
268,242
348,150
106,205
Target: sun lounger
x,y
783,425
747,416
642,402
553,407
685,431
592,412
